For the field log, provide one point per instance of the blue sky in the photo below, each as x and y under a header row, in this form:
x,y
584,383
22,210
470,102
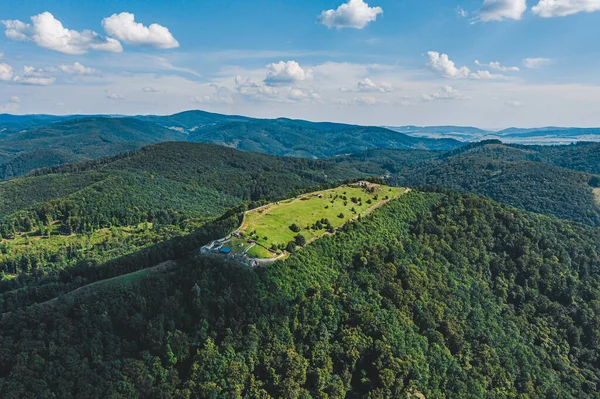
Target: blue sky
x,y
383,62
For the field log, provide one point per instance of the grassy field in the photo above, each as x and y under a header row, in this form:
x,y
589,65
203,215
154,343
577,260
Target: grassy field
x,y
597,194
270,225
56,251
259,252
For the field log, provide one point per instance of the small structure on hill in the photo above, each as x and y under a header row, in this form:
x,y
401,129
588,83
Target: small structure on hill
x,y
225,250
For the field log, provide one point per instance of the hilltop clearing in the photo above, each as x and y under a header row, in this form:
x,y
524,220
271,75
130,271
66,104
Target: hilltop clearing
x,y
278,229
311,215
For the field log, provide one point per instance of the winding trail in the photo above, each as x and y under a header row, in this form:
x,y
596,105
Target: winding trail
x,y
164,266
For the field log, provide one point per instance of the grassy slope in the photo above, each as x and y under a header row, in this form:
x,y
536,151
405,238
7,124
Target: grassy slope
x,y
274,221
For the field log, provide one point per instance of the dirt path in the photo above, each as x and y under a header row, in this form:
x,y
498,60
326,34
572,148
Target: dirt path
x,y
158,268
247,212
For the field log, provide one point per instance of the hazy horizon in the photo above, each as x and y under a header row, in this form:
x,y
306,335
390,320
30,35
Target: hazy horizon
x,y
473,62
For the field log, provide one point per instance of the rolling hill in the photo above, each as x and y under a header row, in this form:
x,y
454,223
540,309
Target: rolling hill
x,y
78,215
31,142
77,140
434,295
291,138
537,179
437,293
44,141
190,121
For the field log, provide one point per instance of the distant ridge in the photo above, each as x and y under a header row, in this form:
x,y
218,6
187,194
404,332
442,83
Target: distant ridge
x,y
30,142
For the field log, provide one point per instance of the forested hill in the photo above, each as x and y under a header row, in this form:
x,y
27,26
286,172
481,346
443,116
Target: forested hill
x,y
293,138
76,140
70,220
29,143
195,180
532,178
526,177
436,295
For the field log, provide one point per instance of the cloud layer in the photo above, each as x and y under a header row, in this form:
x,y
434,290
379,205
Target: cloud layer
x,y
535,63
355,14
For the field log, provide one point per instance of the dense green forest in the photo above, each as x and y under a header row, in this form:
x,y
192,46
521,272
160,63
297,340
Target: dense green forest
x,y
76,140
196,180
435,295
532,178
40,141
90,213
84,215
286,137
439,294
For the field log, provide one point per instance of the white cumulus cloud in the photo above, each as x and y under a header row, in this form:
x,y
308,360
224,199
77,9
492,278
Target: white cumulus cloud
x,y
48,32
535,63
35,77
442,64
76,69
354,14
498,10
497,66
123,27
367,85
115,97
562,8
446,93
6,72
285,73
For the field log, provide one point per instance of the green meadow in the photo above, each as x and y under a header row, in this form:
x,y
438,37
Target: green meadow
x,y
313,214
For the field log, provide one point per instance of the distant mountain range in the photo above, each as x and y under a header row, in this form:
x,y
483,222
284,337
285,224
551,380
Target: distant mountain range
x,y
36,141
544,135
29,142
